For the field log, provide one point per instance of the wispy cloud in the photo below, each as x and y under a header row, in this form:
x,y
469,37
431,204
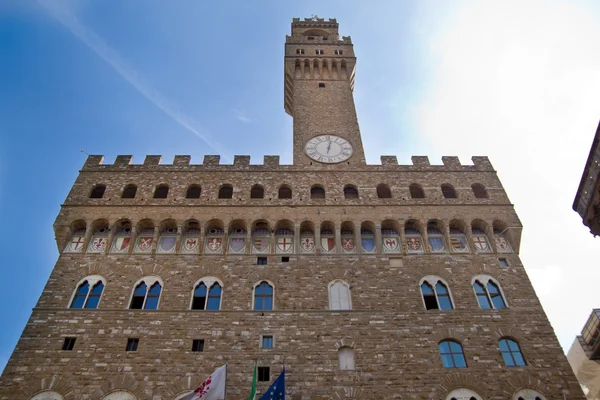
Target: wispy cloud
x,y
62,11
242,116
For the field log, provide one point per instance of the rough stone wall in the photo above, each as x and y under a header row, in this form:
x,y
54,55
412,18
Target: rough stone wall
x,y
394,338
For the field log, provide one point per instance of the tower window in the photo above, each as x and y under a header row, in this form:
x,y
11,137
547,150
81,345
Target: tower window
x,y
161,192
129,192
226,192
338,52
416,191
97,192
261,260
132,344
299,51
503,262
319,52
452,354
264,374
267,342
193,192
198,345
321,85
68,343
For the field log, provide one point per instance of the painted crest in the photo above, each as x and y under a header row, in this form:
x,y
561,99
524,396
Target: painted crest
x,y
391,244
260,244
368,244
459,243
285,244
214,244
98,245
481,244
502,245
307,244
436,243
414,244
348,244
76,244
167,244
121,244
190,244
145,243
237,244
328,244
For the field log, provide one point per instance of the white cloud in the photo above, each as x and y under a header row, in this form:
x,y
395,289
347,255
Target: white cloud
x,y
62,11
242,116
518,81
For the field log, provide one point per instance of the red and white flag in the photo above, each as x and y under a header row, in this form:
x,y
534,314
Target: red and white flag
x,y
213,388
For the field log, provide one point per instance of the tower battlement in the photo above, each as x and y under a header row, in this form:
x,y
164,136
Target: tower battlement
x,y
242,162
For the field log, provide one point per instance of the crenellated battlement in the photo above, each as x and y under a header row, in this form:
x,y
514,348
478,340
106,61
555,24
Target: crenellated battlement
x,y
242,162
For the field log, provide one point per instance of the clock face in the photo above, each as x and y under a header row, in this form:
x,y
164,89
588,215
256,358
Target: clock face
x,y
328,149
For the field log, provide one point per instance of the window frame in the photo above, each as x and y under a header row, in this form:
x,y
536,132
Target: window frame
x,y
89,279
257,284
341,352
511,352
193,186
97,186
223,187
266,337
131,187
133,343
198,345
161,186
69,343
430,279
484,280
208,281
452,354
260,371
347,286
149,281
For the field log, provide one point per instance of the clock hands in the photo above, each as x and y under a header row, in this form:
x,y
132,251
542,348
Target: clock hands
x,y
329,147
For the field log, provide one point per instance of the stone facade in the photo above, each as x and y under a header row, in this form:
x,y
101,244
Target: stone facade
x,y
392,335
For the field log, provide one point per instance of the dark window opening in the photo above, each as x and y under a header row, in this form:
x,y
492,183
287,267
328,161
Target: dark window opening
x,y
321,85
317,192
285,259
267,342
350,192
503,262
198,345
129,192
199,301
448,192
97,192
139,295
264,374
193,192
285,192
257,192
429,297
68,343
132,344
161,192
226,192
261,260
479,191
416,191
383,191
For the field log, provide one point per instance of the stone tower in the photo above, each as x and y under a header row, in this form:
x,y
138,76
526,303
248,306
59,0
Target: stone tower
x,y
368,281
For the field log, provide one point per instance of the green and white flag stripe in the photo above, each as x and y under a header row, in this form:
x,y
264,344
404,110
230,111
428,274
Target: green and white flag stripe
x,y
253,390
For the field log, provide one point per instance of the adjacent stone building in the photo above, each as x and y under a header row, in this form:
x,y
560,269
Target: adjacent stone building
x,y
584,356
587,199
367,281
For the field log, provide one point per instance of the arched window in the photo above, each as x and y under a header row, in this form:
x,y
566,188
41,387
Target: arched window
x,y
416,191
207,295
339,296
350,192
193,192
479,191
346,357
263,296
511,352
463,394
257,192
97,192
129,192
285,192
488,293
383,191
448,191
436,295
226,192
317,192
146,295
528,394
119,395
161,192
452,354
88,293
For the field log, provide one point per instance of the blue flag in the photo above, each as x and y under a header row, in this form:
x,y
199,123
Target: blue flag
x,y
277,389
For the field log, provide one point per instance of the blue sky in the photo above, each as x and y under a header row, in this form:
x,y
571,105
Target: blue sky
x,y
517,81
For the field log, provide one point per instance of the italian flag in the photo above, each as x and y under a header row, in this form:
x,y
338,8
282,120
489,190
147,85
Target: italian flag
x,y
253,390
213,388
